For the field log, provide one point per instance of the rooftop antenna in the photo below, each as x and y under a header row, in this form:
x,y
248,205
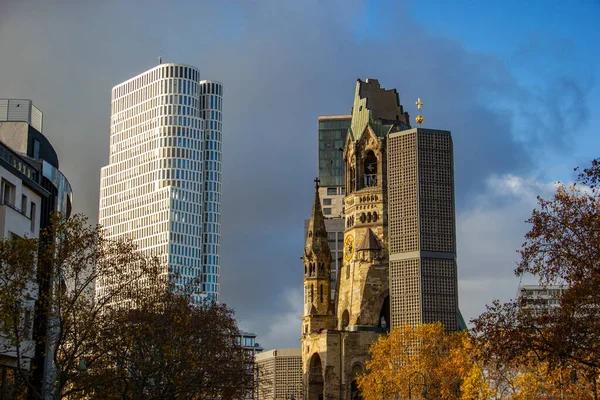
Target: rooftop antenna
x,y
419,118
160,59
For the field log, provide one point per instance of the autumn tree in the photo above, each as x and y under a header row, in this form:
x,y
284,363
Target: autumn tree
x,y
137,337
561,248
423,362
18,292
539,380
81,256
78,254
167,348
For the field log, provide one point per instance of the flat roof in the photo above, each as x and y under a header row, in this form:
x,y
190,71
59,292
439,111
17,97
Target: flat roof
x,y
326,117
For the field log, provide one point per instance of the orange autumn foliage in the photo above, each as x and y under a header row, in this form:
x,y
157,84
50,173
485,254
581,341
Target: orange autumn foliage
x,y
423,362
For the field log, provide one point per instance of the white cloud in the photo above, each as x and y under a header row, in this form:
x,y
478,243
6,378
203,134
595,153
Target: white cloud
x,y
489,233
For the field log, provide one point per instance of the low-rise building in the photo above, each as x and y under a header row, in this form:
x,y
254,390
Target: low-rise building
x,y
279,374
248,342
35,162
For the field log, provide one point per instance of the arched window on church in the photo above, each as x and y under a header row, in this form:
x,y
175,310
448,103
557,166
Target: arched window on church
x,y
312,290
305,295
357,371
345,319
370,169
384,315
352,180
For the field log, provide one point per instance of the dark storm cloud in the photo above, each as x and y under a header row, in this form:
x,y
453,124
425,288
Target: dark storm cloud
x,y
282,65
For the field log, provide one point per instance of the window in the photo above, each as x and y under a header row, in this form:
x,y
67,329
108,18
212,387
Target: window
x,y
326,202
36,148
8,193
331,191
32,214
24,204
327,211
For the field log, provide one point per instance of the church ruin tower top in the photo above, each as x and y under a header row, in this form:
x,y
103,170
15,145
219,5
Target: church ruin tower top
x,y
377,106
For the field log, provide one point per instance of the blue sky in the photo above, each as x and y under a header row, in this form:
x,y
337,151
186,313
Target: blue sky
x,y
515,82
538,40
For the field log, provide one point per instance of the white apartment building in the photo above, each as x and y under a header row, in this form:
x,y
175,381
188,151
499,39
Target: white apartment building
x,y
541,299
162,186
20,208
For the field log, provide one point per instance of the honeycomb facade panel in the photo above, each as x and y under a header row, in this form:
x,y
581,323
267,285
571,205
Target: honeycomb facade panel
x,y
422,228
405,292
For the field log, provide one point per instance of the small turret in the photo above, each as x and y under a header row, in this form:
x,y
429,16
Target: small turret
x,y
316,235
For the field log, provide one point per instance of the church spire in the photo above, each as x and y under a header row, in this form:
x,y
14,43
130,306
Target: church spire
x,y
316,234
318,310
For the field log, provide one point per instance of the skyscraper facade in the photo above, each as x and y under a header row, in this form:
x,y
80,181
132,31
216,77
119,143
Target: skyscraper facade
x,y
332,139
211,105
421,228
162,185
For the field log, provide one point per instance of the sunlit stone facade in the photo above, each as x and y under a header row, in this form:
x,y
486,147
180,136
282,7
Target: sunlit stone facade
x,y
162,185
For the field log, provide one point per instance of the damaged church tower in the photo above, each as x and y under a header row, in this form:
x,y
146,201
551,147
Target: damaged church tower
x,y
399,258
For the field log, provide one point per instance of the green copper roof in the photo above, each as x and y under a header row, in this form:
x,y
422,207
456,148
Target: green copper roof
x,y
360,114
381,130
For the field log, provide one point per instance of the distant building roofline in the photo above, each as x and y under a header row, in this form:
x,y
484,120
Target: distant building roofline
x,y
289,352
161,65
542,287
337,116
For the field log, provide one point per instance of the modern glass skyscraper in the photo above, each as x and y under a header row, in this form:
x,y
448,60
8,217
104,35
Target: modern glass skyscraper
x,y
333,130
162,187
211,105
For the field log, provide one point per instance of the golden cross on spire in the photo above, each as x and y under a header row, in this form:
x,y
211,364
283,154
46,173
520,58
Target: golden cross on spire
x,y
419,118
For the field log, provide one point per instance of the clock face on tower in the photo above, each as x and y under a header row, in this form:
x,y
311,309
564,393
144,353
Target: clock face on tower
x,y
348,247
